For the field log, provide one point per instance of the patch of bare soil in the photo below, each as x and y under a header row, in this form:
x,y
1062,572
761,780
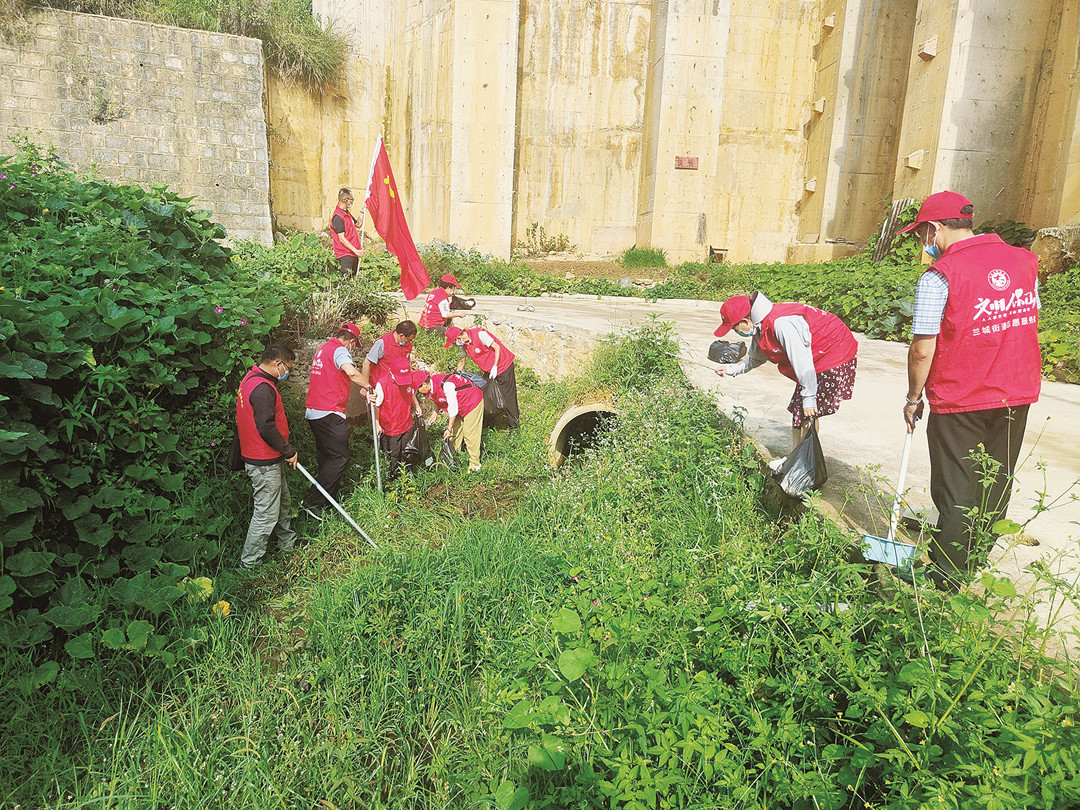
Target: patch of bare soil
x,y
593,268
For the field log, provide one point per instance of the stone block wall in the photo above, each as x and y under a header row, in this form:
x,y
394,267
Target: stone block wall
x,y
146,104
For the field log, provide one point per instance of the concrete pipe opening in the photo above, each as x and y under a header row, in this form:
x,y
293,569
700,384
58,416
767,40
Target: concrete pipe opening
x,y
580,428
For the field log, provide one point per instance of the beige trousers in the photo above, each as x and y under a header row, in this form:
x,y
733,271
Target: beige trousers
x,y
467,429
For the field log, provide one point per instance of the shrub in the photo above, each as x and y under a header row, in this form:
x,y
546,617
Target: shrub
x,y
317,295
121,316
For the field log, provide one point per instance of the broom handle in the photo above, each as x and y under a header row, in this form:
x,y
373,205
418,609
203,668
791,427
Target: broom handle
x,y
900,488
375,441
335,504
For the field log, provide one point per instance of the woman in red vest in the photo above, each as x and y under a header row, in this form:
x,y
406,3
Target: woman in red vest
x,y
343,233
263,431
463,402
812,347
492,358
395,403
437,316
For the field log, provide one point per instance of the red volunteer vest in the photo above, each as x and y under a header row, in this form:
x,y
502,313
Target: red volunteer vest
x,y
395,413
831,342
987,353
431,317
328,386
252,444
468,395
350,233
390,351
484,356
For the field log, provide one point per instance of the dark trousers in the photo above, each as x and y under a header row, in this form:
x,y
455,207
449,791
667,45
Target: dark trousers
x,y
349,263
509,416
332,454
958,484
394,449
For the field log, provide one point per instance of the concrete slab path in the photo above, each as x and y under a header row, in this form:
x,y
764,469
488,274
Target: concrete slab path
x,y
863,441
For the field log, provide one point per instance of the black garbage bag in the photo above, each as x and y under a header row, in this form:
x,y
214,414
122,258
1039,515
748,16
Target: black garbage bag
x,y
727,351
447,455
495,415
804,469
234,461
462,302
417,448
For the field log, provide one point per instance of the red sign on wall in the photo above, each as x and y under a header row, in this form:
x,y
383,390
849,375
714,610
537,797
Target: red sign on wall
x,y
685,162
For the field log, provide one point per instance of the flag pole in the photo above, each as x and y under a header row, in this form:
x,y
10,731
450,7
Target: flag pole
x,y
367,193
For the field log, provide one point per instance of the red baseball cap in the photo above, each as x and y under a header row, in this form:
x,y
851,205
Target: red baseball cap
x,y
731,312
449,279
936,207
419,377
451,335
401,370
352,329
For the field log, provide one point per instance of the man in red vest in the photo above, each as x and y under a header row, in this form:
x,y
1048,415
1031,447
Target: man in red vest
x,y
264,444
462,401
975,353
437,316
398,343
332,373
395,403
810,346
343,234
494,359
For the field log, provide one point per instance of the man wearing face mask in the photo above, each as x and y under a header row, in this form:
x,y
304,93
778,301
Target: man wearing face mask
x,y
264,445
398,343
975,352
810,346
332,373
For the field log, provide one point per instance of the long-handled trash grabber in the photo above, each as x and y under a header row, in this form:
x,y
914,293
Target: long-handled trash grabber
x,y
887,549
335,504
375,443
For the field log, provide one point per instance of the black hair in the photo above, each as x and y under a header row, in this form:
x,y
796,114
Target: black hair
x,y
345,334
277,351
343,193
406,328
960,223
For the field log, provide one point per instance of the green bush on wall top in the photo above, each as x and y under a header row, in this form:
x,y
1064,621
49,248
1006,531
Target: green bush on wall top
x,y
118,309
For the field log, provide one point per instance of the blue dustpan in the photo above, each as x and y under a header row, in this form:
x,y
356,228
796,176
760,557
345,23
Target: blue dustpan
x,y
888,549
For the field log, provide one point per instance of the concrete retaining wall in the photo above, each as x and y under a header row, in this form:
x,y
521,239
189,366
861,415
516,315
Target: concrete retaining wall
x,y
146,104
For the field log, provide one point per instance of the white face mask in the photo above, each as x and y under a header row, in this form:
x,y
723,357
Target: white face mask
x,y
751,333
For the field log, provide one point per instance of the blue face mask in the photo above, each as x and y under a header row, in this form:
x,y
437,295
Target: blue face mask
x,y
744,334
284,376
931,249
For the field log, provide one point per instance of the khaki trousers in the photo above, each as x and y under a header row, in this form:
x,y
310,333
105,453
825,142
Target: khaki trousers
x,y
467,429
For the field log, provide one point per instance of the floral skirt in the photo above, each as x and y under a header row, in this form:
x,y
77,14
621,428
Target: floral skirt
x,y
833,387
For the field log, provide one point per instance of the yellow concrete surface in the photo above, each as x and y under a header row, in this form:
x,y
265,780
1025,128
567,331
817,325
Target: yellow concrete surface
x,y
802,116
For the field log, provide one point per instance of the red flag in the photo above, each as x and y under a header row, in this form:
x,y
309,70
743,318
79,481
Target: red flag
x,y
384,205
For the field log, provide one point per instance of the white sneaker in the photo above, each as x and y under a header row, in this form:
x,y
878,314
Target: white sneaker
x,y
777,463
475,469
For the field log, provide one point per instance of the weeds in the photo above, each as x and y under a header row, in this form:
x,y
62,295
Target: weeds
x,y
636,631
643,257
536,242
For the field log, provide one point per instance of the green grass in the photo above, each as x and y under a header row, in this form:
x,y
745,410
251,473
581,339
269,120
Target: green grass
x,y
634,631
643,257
